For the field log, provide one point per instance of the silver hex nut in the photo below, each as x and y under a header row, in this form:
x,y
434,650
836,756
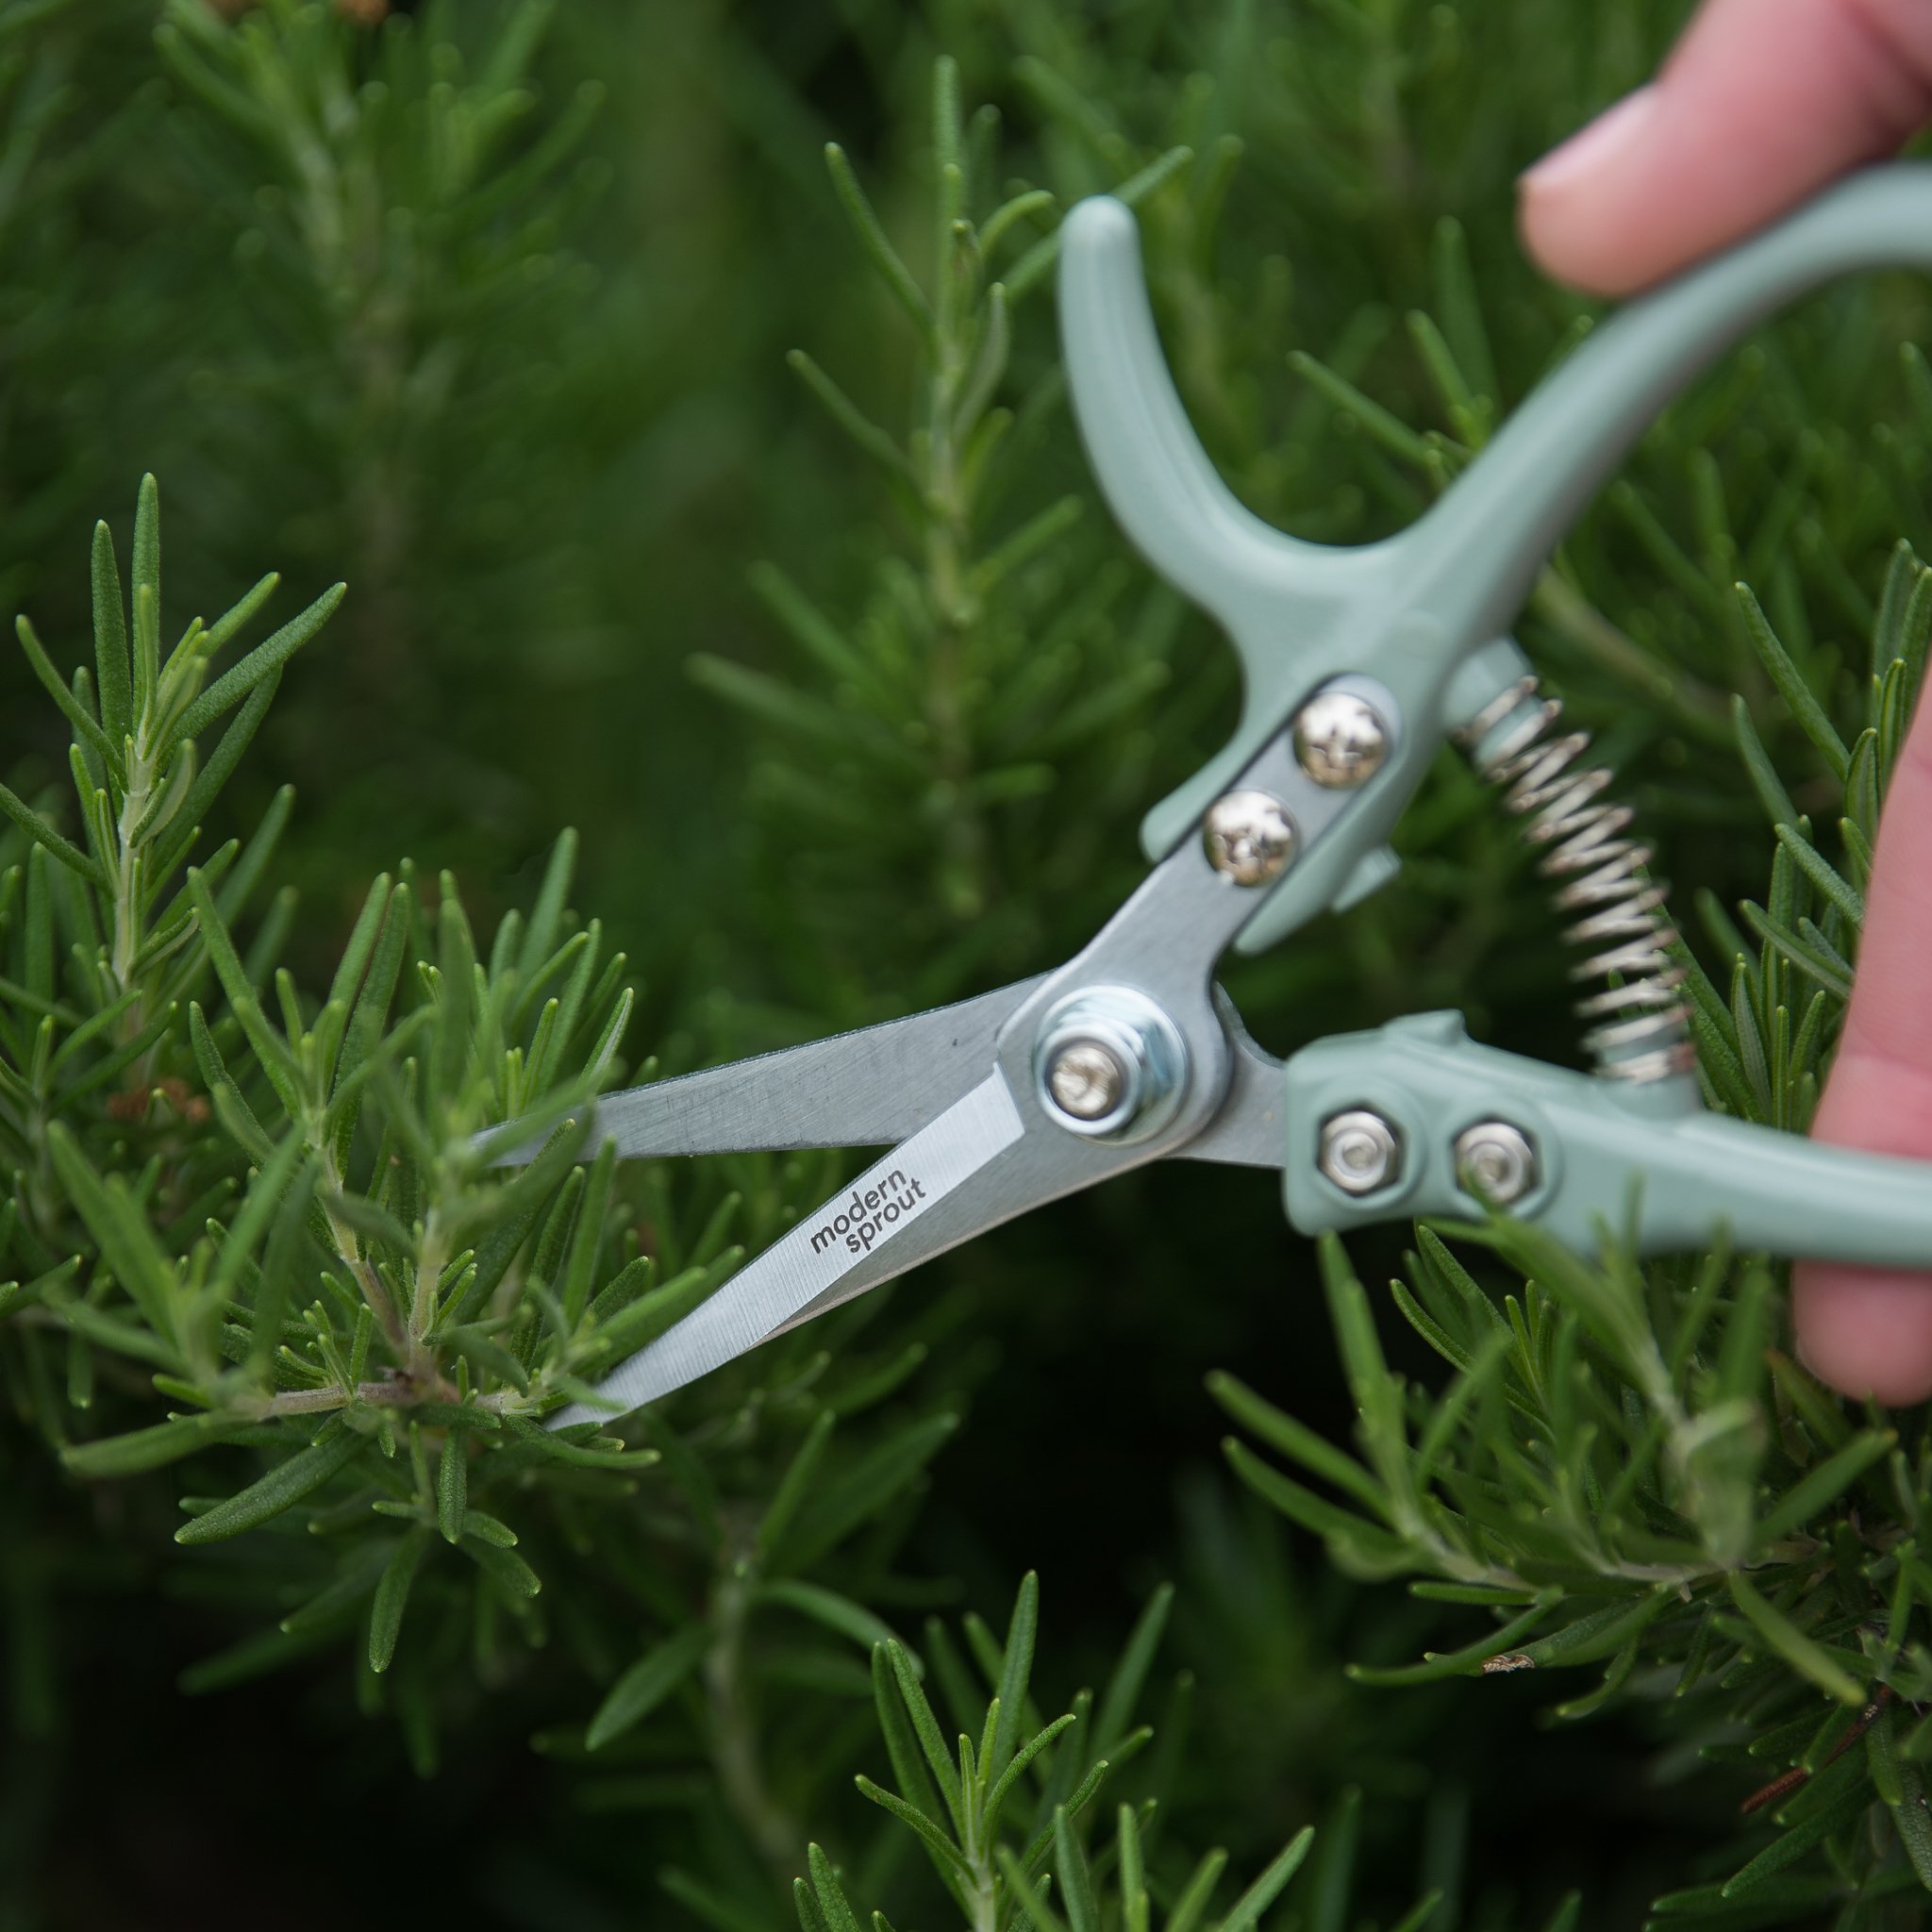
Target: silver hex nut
x,y
1362,1151
1496,1162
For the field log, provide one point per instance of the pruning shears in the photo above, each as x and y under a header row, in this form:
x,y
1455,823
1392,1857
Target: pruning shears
x,y
1358,663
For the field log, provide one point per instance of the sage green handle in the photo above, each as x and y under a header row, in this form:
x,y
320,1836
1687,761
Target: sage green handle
x,y
1411,610
1636,1161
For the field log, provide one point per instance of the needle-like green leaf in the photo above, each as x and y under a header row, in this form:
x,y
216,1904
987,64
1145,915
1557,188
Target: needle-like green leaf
x,y
392,1598
266,659
646,1684
290,1481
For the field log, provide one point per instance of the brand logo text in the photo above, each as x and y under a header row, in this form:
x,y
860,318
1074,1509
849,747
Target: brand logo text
x,y
870,1212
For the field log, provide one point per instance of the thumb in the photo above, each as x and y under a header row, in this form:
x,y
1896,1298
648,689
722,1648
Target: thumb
x,y
1762,102
1868,1330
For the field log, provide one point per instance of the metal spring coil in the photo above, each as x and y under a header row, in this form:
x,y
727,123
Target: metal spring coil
x,y
1639,1030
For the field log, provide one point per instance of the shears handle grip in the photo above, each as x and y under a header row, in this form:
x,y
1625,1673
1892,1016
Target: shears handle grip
x,y
1643,1162
1410,610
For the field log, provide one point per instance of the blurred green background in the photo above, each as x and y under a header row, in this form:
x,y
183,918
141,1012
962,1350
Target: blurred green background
x,y
535,410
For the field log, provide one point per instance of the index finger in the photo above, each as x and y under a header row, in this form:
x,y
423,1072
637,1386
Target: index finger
x,y
1762,102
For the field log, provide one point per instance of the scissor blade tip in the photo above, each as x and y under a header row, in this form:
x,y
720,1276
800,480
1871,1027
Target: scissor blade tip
x,y
845,1245
582,1412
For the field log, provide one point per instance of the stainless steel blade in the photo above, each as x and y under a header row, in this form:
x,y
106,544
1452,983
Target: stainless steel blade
x,y
1251,1128
866,1089
860,1226
1036,1169
1001,1146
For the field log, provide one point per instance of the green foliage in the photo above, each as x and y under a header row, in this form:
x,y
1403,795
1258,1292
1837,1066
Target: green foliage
x,y
1620,1468
277,1225
281,1220
1007,1823
105,951
998,663
397,199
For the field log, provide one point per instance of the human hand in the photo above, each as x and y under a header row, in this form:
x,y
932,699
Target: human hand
x,y
1761,102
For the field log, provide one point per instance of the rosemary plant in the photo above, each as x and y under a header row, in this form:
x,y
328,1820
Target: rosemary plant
x,y
1626,1469
1007,1822
998,662
281,1234
342,1286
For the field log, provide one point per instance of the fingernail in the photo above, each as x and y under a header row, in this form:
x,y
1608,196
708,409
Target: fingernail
x,y
1604,144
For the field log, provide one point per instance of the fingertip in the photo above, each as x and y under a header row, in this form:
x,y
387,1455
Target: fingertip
x,y
1573,207
1865,1331
1762,103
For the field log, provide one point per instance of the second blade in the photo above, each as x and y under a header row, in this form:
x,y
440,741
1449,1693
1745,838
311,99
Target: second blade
x,y
832,1240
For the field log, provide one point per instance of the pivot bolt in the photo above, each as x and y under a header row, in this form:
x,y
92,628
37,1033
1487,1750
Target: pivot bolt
x,y
1249,837
1496,1161
1340,742
1361,1152
1109,1065
1086,1079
